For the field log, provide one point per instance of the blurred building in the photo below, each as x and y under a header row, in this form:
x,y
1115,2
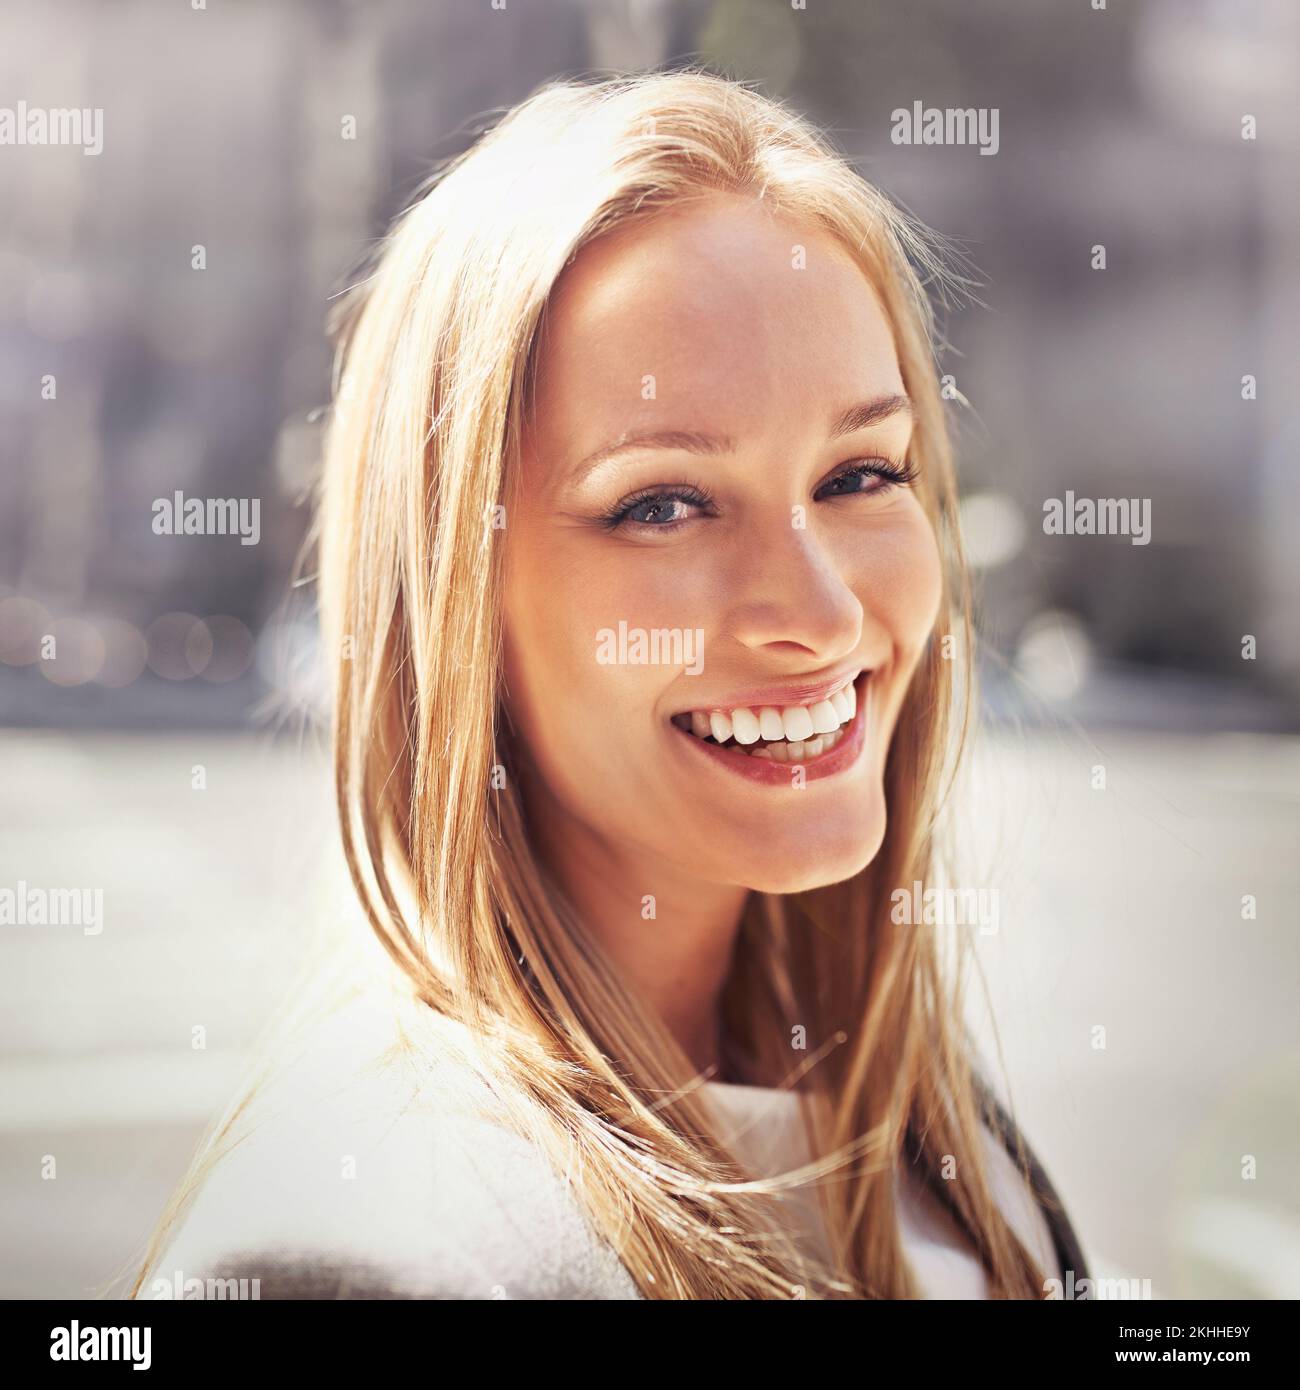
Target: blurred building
x,y
280,139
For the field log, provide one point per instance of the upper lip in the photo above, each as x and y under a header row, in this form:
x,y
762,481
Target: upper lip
x,y
801,690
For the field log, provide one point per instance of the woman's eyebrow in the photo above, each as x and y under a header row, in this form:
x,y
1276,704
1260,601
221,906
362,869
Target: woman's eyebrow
x,y
856,417
687,441
862,416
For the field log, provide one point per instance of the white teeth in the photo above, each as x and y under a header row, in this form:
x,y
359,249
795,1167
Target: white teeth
x,y
809,748
744,724
790,734
824,718
770,725
797,722
797,752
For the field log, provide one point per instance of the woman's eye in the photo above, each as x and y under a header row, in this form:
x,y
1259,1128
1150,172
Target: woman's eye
x,y
868,476
660,511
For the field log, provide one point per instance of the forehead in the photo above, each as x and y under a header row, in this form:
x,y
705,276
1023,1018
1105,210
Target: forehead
x,y
720,312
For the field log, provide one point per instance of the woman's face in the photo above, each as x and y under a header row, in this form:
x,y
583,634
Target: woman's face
x,y
713,558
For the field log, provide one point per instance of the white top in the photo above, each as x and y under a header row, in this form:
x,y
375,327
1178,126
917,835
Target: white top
x,y
765,1129
359,1177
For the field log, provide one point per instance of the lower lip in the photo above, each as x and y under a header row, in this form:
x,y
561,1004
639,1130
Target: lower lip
x,y
773,774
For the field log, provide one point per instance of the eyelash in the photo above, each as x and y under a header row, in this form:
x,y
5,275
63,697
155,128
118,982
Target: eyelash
x,y
890,474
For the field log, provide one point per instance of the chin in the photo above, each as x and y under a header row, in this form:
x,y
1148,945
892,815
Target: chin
x,y
810,858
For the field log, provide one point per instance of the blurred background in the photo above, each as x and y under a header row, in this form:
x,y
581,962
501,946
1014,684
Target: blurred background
x,y
281,140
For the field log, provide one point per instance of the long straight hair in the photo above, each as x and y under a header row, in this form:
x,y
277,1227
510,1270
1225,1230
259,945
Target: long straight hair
x,y
437,360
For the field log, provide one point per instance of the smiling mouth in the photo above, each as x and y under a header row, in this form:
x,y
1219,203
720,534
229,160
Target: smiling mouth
x,y
780,734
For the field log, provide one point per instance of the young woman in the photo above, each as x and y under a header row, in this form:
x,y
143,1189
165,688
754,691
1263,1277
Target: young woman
x,y
641,587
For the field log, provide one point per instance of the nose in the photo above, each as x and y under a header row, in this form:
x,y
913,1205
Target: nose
x,y
794,595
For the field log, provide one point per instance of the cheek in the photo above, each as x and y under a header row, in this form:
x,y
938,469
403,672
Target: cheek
x,y
571,703
544,646
902,585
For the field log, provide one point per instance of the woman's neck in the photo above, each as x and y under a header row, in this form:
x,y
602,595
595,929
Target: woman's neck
x,y
670,935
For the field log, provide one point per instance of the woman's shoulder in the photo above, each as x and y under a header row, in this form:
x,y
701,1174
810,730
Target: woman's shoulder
x,y
1028,1197
355,1174
1019,1203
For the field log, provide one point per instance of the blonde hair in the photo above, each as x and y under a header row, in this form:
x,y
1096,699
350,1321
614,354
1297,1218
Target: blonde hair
x,y
436,363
